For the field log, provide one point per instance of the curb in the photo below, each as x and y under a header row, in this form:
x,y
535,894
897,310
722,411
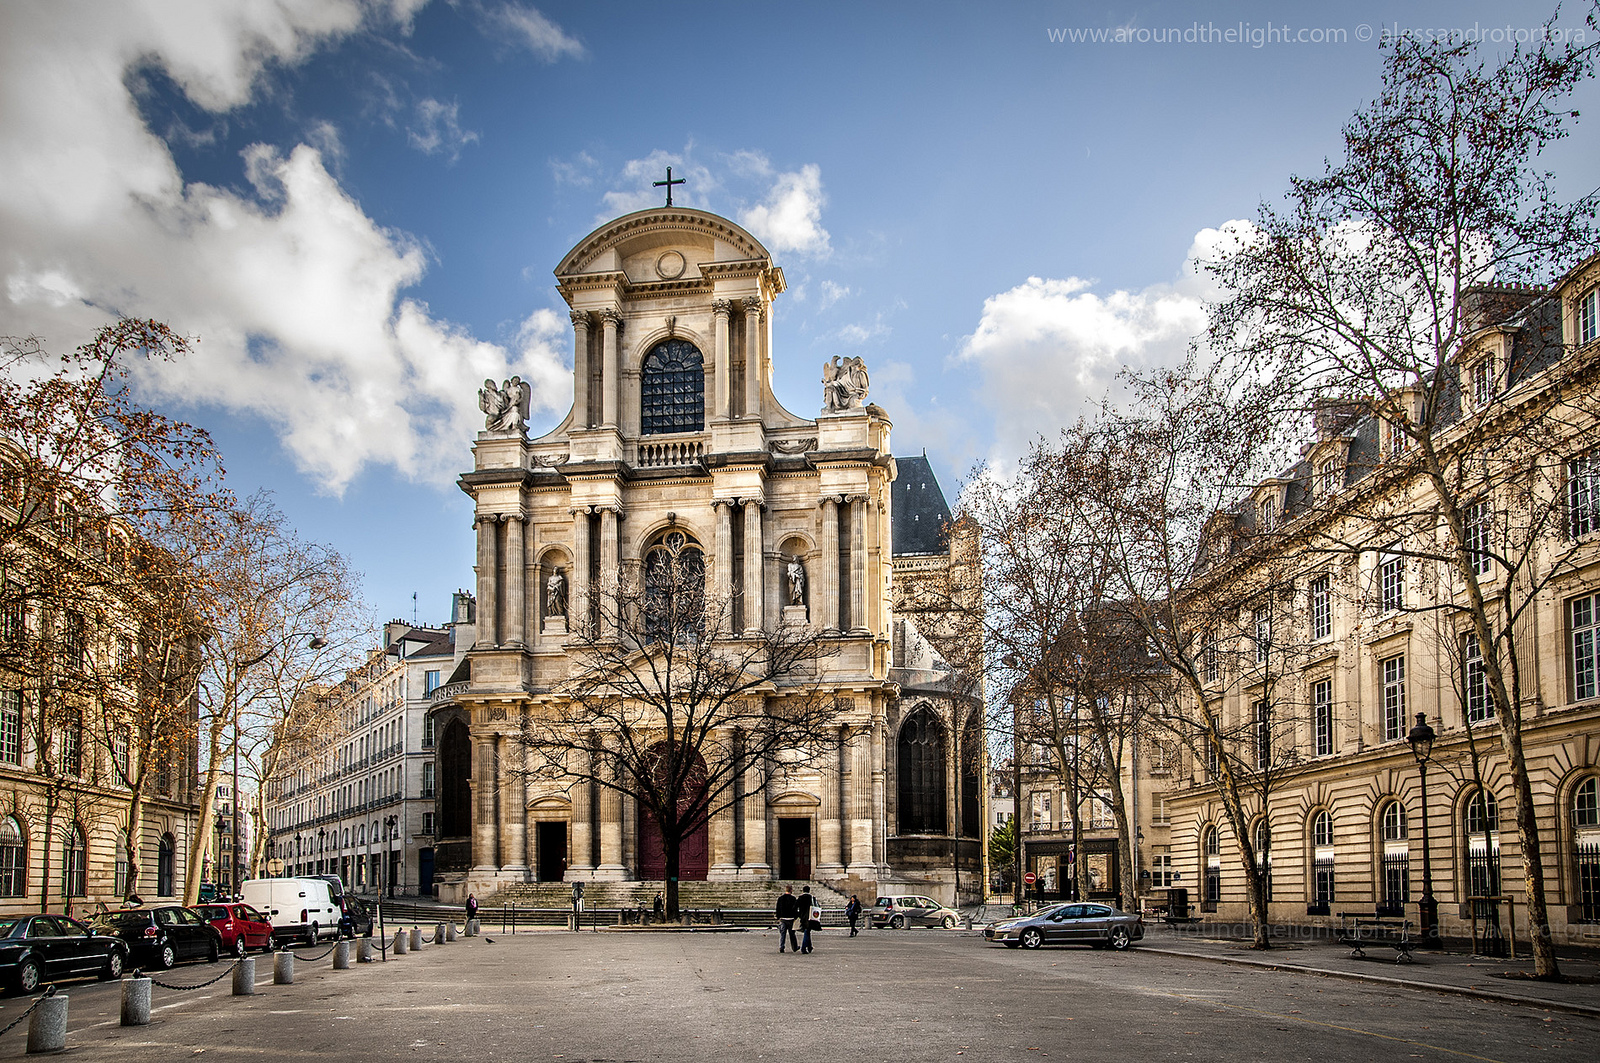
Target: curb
x,y
1402,983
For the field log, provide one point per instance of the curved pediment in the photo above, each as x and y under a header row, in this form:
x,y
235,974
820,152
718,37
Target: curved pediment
x,y
642,245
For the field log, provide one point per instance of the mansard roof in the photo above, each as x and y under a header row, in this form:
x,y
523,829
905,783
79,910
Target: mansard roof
x,y
920,511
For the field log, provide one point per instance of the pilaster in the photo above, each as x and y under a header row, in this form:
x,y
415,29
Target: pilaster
x,y
580,369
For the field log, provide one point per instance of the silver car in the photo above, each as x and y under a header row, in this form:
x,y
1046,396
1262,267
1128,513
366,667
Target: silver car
x,y
1074,923
903,911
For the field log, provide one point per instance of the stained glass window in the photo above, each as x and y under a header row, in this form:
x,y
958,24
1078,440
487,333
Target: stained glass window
x,y
673,388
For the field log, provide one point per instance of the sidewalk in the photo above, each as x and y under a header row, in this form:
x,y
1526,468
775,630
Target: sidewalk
x,y
1443,972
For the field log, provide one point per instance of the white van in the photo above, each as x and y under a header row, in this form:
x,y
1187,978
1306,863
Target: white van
x,y
300,909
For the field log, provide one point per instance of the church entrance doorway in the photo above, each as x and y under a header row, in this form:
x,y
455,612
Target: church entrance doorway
x,y
425,871
551,840
794,848
694,852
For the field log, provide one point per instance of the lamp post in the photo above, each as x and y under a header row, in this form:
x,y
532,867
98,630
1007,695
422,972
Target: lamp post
x,y
390,823
1421,738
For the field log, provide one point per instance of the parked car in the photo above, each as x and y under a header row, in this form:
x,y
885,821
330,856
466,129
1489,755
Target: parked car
x,y
980,916
901,912
300,909
242,927
1096,925
356,918
161,935
42,948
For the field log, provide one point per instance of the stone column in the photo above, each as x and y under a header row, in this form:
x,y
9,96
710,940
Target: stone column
x,y
830,863
578,585
610,827
858,563
722,567
753,564
513,806
580,857
752,356
721,827
880,803
827,604
610,569
720,311
580,369
485,832
754,810
488,579
610,322
516,601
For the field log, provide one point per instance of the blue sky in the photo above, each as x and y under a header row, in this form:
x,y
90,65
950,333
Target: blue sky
x,y
355,207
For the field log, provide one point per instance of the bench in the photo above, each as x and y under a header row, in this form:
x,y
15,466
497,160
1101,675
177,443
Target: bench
x,y
1357,931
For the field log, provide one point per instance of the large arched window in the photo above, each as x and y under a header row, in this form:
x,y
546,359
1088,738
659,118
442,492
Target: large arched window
x,y
1393,831
1586,847
13,859
672,388
1262,840
121,881
74,861
920,759
165,879
674,586
1321,857
1482,822
1211,848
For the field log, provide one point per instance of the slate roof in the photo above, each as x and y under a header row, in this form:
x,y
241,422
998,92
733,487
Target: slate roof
x,y
920,511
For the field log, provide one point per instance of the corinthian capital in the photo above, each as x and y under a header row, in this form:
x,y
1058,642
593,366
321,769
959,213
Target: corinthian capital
x,y
611,316
721,307
752,305
580,319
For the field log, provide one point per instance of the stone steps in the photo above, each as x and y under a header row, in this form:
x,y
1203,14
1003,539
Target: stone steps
x,y
759,896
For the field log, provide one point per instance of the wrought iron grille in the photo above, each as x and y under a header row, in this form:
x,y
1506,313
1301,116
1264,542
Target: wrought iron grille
x,y
1586,858
1396,878
673,389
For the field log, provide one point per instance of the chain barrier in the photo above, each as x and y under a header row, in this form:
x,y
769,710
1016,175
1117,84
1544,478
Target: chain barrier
x,y
166,985
300,956
426,940
49,991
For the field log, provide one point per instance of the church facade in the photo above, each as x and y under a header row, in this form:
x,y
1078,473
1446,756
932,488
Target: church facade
x,y
676,440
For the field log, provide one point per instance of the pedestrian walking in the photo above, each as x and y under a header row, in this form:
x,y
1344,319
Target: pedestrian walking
x,y
472,907
852,912
788,908
660,908
807,915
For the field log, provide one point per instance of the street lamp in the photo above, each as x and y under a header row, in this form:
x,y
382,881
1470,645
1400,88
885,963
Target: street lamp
x,y
1421,738
390,823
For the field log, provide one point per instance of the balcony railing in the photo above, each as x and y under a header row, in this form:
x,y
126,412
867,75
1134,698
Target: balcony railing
x,y
666,451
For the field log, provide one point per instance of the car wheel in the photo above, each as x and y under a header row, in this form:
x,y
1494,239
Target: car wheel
x,y
238,949
311,935
213,953
166,957
898,922
28,976
1031,938
113,968
1120,938
949,922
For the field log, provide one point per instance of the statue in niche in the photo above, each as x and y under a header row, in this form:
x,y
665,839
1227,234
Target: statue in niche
x,y
505,407
797,582
844,384
555,595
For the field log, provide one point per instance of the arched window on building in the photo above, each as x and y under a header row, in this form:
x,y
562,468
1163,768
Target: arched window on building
x,y
675,586
1261,837
1322,857
1586,847
1393,831
74,863
919,762
121,882
971,778
13,858
1482,843
672,388
1211,854
165,879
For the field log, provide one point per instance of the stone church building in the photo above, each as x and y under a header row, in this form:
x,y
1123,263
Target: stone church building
x,y
675,438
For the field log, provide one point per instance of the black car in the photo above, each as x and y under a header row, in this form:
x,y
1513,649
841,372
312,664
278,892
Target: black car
x,y
160,936
356,918
43,948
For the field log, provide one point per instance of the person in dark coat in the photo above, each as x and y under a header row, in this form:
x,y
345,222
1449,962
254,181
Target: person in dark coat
x,y
660,908
788,909
806,907
852,912
472,907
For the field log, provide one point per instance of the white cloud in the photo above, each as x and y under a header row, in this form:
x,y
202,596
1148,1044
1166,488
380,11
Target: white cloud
x,y
440,131
856,333
790,218
832,293
294,295
1048,350
634,188
529,29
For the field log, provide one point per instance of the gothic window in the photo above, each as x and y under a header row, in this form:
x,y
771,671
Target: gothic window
x,y
675,586
673,388
920,756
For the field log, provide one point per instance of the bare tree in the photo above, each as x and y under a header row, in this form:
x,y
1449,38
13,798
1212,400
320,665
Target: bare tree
x,y
1374,286
665,707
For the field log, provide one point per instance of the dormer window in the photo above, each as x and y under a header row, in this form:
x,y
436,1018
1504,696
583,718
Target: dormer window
x,y
1589,316
1268,514
1328,476
1481,383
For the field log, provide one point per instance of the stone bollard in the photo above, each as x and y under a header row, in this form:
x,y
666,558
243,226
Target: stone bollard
x,y
244,977
136,1001
439,936
474,928
365,955
283,968
416,939
450,930
341,956
47,1028
400,939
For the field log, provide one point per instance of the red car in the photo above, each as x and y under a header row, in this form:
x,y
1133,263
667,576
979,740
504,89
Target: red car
x,y
241,926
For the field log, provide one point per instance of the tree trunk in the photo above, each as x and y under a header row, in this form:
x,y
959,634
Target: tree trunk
x,y
51,800
202,835
1544,952
671,842
135,833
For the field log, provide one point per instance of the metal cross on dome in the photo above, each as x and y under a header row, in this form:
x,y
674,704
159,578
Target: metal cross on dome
x,y
669,182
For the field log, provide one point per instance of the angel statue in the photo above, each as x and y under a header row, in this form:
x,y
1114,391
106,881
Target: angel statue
x,y
844,384
506,406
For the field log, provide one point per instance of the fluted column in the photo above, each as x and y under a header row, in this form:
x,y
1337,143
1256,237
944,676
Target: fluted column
x,y
827,607
580,369
830,864
722,567
485,832
858,799
720,311
610,322
880,803
721,831
580,858
753,564
487,580
516,600
610,827
754,811
513,807
752,356
578,585
858,563
610,569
